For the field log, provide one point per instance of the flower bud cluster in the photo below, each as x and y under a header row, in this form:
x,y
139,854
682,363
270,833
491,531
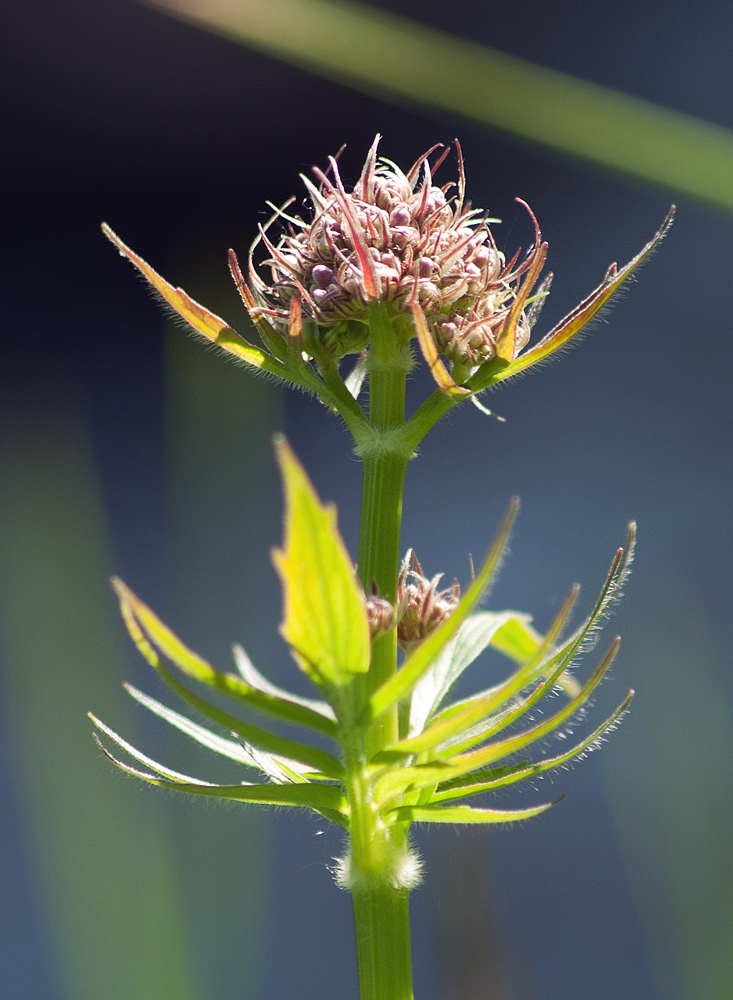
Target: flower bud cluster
x,y
421,607
397,239
380,615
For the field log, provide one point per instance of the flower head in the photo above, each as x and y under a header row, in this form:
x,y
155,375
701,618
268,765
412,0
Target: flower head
x,y
416,250
421,607
398,239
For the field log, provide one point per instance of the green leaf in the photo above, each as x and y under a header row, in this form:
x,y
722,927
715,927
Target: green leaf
x,y
402,683
203,322
174,776
543,667
498,369
462,720
521,643
279,769
311,796
517,639
512,744
476,633
260,738
151,636
397,781
251,675
466,814
498,777
325,620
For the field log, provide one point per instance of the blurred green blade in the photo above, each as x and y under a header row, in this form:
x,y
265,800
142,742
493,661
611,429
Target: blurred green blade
x,y
371,49
103,868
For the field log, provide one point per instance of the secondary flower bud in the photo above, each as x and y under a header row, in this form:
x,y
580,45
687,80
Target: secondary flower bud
x,y
421,607
380,615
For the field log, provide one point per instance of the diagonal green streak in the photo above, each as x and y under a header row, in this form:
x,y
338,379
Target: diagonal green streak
x,y
373,50
105,883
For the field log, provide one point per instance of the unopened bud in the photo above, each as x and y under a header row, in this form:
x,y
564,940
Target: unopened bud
x,y
421,607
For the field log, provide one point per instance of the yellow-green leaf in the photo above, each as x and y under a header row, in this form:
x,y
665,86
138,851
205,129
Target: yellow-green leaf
x,y
324,617
204,322
467,814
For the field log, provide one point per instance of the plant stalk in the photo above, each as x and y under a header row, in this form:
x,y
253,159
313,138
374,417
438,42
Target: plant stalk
x,y
380,903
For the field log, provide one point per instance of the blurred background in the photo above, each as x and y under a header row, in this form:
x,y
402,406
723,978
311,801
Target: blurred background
x,y
127,448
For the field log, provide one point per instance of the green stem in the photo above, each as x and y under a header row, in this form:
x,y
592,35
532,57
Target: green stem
x,y
381,510
381,909
382,920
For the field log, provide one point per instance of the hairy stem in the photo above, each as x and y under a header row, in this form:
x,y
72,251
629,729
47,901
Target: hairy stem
x,y
381,909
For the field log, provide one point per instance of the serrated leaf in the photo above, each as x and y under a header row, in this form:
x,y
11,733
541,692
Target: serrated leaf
x,y
324,620
419,662
466,814
152,637
476,633
200,319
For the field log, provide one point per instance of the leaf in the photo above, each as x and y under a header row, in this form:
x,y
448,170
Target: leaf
x,y
467,814
520,642
276,768
252,676
419,662
517,639
476,633
498,369
539,666
203,322
418,776
261,738
355,379
477,782
311,796
139,755
463,718
324,620
151,636
512,744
